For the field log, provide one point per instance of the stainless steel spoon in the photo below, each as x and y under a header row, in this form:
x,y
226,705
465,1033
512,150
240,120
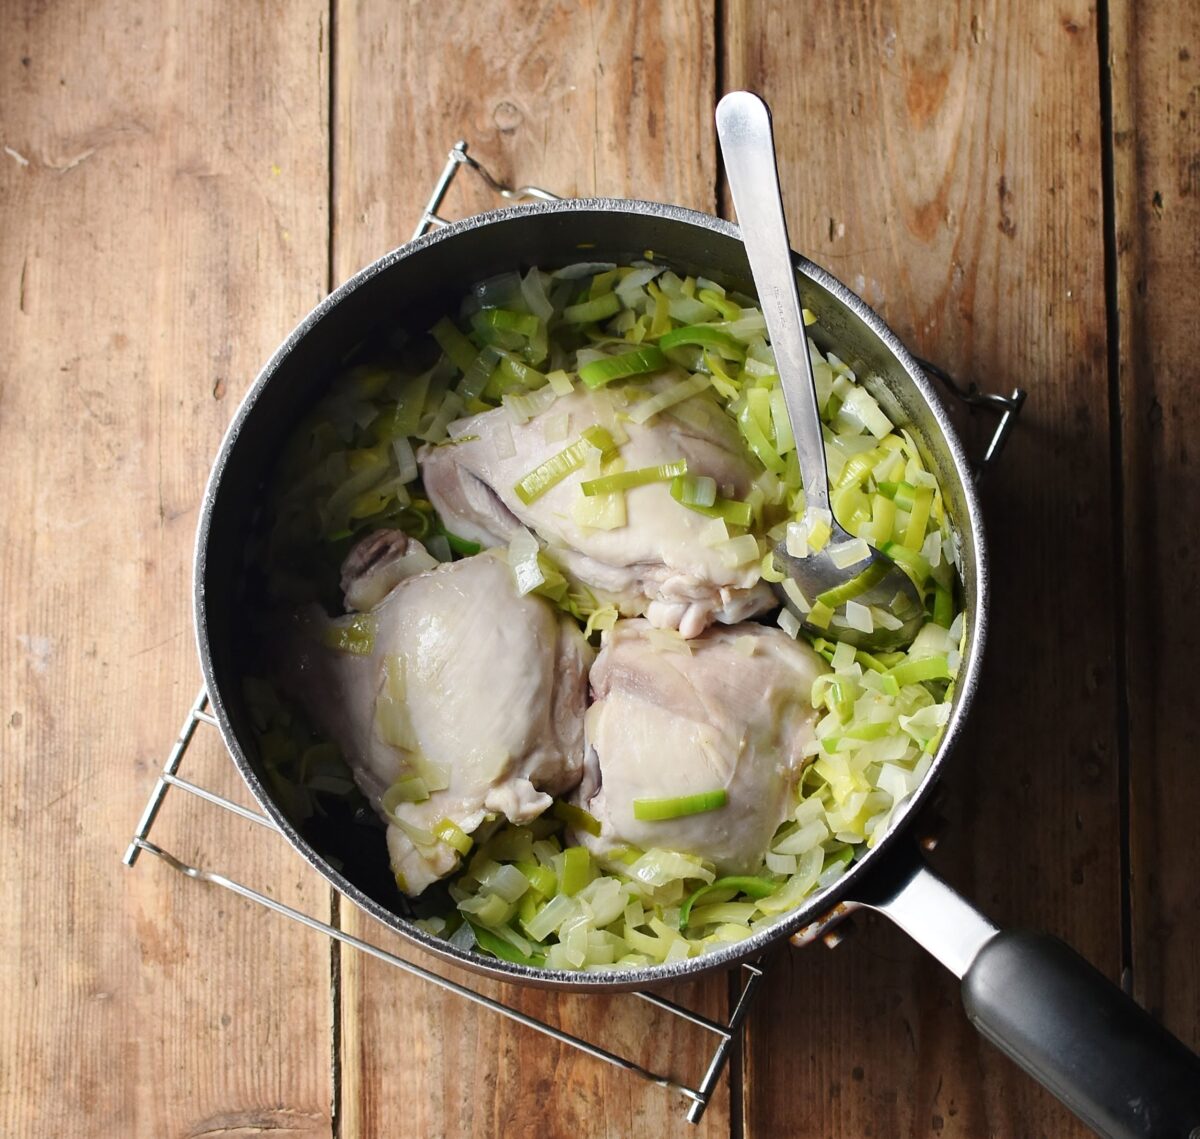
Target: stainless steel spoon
x,y
747,146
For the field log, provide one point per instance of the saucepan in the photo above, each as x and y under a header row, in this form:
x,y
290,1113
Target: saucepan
x,y
1043,1005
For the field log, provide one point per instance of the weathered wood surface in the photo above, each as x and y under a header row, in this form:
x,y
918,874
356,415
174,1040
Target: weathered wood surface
x,y
175,194
1156,149
946,165
163,219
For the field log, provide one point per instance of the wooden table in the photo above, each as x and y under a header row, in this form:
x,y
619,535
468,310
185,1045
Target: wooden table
x,y
1016,188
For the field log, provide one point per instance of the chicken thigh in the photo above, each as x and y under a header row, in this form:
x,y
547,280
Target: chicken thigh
x,y
731,715
656,563
453,682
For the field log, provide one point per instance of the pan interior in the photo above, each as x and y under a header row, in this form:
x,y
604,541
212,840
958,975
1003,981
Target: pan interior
x,y
411,287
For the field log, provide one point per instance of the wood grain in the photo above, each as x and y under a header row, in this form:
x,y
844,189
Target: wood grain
x,y
944,161
156,242
165,183
582,99
1156,148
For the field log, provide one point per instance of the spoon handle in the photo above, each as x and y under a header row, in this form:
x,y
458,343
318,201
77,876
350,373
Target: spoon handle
x,y
748,148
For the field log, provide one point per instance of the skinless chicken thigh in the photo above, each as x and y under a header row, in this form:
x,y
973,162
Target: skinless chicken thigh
x,y
732,715
656,563
467,685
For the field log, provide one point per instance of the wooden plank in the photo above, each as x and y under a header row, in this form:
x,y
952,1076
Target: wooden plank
x,y
582,99
1156,147
944,162
163,199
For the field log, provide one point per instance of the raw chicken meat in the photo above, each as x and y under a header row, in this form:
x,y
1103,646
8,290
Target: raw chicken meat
x,y
733,714
466,684
656,563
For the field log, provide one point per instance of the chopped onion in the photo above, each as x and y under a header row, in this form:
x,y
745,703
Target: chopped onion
x,y
788,622
522,408
406,459
560,382
581,269
533,289
796,595
713,533
740,551
804,838
847,554
859,617
523,550
796,542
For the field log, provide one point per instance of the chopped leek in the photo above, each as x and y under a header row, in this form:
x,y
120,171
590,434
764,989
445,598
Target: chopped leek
x,y
449,832
855,586
609,368
557,467
704,336
601,308
925,668
729,510
627,480
750,886
505,320
576,817
410,789
575,870
458,348
676,393
914,534
694,490
499,947
664,345
657,810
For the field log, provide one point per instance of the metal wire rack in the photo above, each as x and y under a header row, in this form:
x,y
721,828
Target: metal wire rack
x,y
726,1033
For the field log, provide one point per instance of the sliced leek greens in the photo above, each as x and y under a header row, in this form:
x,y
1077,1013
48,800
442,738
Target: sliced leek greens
x,y
665,345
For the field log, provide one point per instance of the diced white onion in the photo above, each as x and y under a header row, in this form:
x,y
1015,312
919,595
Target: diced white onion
x,y
780,863
803,840
796,542
560,382
859,617
534,291
523,561
739,551
885,620
406,459
522,408
796,595
860,404
788,622
847,554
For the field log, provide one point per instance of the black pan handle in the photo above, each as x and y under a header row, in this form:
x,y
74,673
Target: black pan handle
x,y
1070,1028
1046,1008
